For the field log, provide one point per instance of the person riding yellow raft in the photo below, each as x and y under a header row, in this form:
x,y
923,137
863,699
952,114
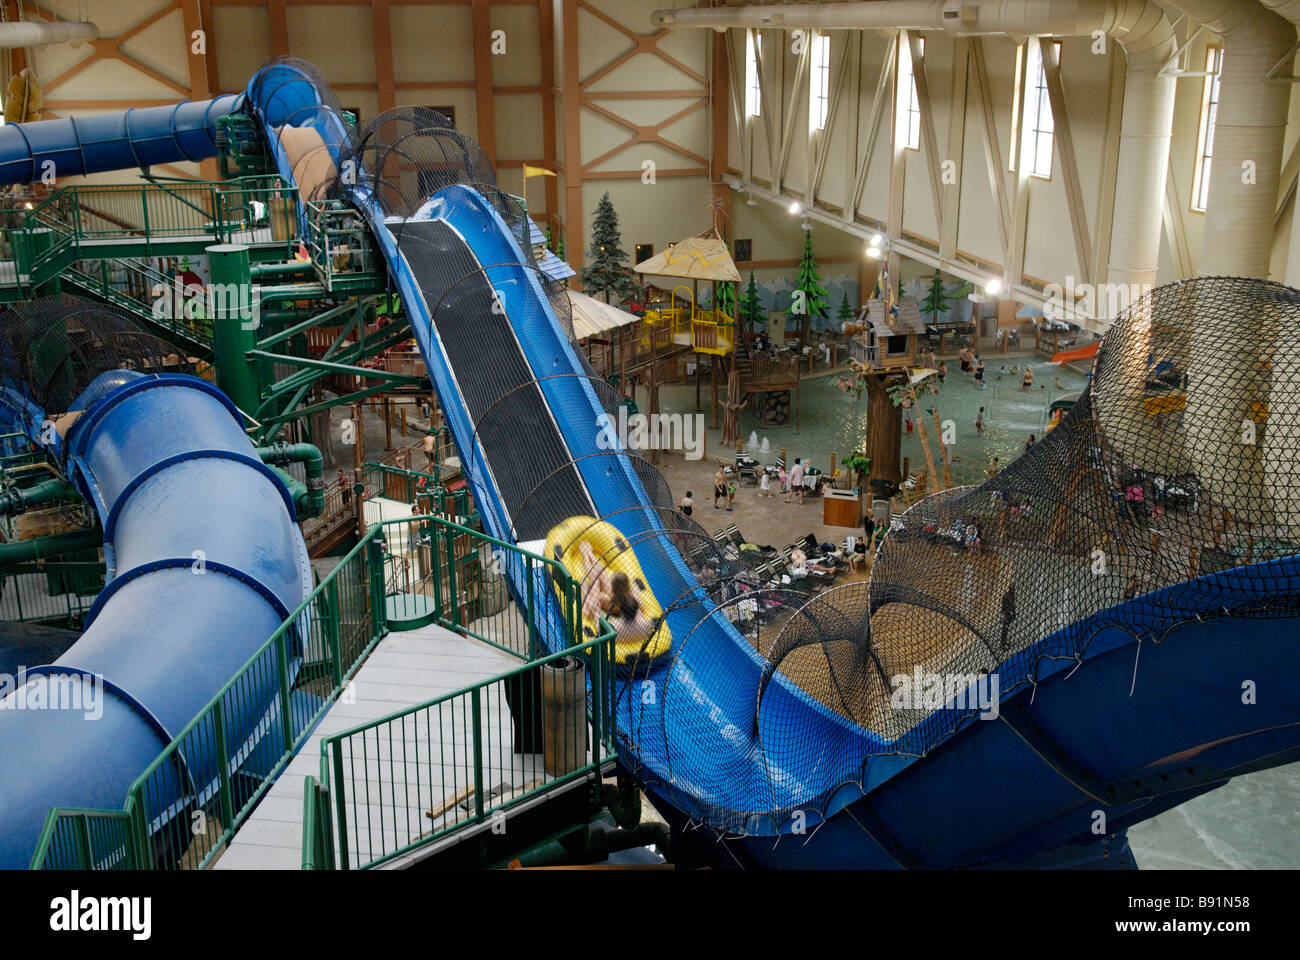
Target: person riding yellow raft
x,y
598,556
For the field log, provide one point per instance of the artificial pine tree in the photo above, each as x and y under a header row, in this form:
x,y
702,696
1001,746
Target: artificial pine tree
x,y
559,244
814,294
724,298
846,312
936,301
550,243
751,304
608,272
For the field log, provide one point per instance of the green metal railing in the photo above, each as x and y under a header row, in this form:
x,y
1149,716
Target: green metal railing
x,y
49,591
144,219
415,777
459,578
185,806
148,293
339,241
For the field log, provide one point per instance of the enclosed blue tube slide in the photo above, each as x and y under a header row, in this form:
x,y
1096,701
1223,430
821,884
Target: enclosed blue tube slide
x,y
205,562
70,146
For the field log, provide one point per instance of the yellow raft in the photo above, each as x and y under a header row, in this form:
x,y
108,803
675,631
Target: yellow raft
x,y
564,543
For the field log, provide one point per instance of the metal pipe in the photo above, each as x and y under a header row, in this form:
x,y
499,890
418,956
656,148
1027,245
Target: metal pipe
x,y
280,453
14,501
39,33
41,548
281,269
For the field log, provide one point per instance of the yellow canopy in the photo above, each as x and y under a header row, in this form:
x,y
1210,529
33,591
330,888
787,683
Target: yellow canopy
x,y
696,258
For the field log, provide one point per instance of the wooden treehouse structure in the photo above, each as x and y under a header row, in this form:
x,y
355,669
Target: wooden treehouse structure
x,y
887,345
677,326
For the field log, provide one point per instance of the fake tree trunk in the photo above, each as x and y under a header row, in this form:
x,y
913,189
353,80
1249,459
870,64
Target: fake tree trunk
x,y
731,410
943,448
885,426
925,448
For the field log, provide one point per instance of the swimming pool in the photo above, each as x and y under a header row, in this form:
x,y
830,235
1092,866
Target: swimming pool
x,y
831,420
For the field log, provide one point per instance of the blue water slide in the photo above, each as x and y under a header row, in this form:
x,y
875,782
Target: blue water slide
x,y
70,146
698,754
988,793
703,750
205,561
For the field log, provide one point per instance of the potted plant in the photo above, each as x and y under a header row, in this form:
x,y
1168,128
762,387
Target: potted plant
x,y
859,465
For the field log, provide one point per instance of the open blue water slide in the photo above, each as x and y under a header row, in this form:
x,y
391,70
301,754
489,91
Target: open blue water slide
x,y
451,260
204,562
709,748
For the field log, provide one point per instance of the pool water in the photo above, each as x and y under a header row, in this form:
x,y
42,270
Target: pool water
x,y
833,421
1251,822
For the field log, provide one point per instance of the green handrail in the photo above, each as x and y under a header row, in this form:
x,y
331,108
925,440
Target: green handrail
x,y
348,750
335,628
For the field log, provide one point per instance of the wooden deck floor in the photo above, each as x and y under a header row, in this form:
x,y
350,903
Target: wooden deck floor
x,y
405,669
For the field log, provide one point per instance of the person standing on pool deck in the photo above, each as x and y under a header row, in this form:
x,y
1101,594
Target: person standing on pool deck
x,y
764,485
687,504
796,480
719,487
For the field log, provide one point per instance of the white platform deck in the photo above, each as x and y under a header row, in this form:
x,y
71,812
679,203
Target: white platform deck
x,y
405,669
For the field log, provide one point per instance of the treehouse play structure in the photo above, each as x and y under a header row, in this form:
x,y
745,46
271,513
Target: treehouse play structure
x,y
773,712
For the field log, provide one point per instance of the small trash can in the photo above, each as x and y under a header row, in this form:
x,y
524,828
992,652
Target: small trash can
x,y
564,716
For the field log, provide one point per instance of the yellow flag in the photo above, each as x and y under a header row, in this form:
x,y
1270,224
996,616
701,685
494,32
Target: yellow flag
x,y
537,172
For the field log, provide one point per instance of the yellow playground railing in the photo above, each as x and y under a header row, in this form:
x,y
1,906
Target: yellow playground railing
x,y
710,331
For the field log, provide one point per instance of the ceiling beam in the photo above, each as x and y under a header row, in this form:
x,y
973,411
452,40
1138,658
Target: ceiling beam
x,y
929,137
381,19
1063,140
958,100
992,147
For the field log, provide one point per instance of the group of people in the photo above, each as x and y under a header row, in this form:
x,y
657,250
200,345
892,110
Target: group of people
x,y
724,487
610,596
971,363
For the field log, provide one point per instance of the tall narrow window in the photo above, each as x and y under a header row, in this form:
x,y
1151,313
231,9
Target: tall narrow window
x,y
1033,144
753,89
1205,136
1015,107
909,127
819,82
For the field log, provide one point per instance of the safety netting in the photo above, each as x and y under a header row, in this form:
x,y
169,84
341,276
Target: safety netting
x,y
1166,494
52,348
303,112
405,155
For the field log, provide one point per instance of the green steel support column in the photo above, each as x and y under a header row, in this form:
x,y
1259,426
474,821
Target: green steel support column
x,y
234,324
40,240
